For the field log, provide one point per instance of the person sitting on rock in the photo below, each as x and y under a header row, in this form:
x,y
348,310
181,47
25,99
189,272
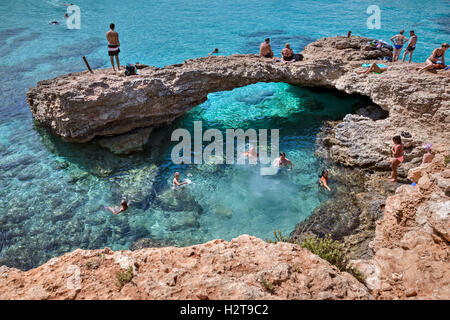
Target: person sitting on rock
x,y
373,68
287,55
397,157
116,210
437,59
429,156
265,50
323,180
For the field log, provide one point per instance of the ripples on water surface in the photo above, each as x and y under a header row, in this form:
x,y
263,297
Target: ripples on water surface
x,y
52,193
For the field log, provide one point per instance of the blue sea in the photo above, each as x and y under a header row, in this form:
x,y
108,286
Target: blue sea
x,y
53,193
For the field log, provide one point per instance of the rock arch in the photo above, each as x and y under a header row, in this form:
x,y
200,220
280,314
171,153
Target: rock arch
x,y
82,106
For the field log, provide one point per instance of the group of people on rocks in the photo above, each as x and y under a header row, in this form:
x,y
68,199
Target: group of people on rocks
x,y
435,61
287,54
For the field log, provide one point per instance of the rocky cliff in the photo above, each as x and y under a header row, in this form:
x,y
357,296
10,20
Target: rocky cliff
x,y
244,268
409,251
411,245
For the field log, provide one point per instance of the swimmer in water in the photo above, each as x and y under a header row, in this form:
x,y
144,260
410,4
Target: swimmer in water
x,y
123,207
54,22
323,180
282,161
216,50
251,153
176,181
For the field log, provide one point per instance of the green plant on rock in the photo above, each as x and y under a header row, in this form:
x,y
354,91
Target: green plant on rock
x,y
356,273
268,285
327,249
124,277
278,237
296,268
447,160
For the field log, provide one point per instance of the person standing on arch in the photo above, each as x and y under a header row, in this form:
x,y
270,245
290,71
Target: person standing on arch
x,y
113,45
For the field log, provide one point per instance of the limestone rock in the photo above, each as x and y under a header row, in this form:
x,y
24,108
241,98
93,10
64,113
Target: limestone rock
x,y
214,270
82,106
411,253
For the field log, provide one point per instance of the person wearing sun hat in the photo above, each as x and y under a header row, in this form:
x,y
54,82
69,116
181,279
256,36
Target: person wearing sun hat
x,y
429,156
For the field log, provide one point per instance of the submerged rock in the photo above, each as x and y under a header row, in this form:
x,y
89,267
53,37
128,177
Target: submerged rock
x,y
126,143
150,243
180,199
184,220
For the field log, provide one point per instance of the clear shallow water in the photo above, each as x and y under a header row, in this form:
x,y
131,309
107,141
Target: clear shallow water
x,y
52,193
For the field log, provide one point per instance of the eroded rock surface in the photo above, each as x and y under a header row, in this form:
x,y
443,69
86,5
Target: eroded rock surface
x,y
214,270
411,245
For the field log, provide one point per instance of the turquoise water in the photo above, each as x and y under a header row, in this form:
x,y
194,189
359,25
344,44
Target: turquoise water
x,y
52,193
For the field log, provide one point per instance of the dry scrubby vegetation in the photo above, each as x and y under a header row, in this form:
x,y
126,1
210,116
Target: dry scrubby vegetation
x,y
123,277
447,160
326,248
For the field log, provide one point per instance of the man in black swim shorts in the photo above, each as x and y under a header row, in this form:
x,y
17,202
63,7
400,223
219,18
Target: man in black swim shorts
x,y
411,46
265,50
113,45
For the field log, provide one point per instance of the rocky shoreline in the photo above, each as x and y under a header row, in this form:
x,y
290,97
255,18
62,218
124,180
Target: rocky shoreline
x,y
397,234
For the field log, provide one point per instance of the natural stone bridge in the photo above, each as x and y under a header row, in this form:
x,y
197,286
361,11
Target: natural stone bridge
x,y
82,106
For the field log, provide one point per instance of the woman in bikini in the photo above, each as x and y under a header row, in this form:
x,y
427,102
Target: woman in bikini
x,y
398,40
397,157
437,58
287,55
373,68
